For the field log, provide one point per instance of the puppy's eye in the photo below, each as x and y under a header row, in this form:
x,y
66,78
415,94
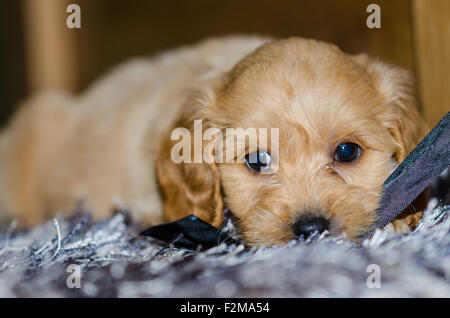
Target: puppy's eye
x,y
347,152
258,160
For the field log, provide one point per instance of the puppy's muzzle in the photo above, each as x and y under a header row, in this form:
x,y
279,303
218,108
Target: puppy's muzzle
x,y
308,225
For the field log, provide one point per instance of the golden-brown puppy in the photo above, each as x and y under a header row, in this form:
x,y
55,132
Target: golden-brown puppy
x,y
344,123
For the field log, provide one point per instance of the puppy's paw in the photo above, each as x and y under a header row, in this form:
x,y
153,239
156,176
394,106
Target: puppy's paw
x,y
411,220
397,226
400,226
404,224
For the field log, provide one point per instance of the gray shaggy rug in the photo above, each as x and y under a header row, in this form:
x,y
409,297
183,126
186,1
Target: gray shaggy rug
x,y
76,257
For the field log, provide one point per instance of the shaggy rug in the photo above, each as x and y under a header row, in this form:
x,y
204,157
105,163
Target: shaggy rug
x,y
76,257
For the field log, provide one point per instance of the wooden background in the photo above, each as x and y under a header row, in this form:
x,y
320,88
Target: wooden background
x,y
414,34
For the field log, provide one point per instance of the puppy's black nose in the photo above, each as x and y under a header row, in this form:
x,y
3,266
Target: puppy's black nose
x,y
308,225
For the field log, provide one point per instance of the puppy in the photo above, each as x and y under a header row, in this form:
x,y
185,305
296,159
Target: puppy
x,y
344,123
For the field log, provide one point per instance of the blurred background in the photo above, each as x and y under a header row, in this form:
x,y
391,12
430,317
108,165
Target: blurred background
x,y
38,51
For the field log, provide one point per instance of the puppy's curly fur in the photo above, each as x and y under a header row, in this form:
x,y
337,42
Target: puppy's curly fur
x,y
114,140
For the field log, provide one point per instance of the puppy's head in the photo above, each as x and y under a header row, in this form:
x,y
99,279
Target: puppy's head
x,y
343,123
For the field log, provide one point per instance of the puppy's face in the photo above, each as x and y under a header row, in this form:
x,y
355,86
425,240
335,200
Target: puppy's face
x,y
343,125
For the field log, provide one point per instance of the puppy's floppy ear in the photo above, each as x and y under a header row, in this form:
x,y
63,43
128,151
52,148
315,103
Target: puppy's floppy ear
x,y
189,188
400,113
400,116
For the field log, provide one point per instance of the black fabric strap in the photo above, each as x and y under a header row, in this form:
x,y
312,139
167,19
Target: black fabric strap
x,y
189,232
419,169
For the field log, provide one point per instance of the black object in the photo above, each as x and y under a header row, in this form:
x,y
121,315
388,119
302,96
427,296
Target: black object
x,y
189,232
419,169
